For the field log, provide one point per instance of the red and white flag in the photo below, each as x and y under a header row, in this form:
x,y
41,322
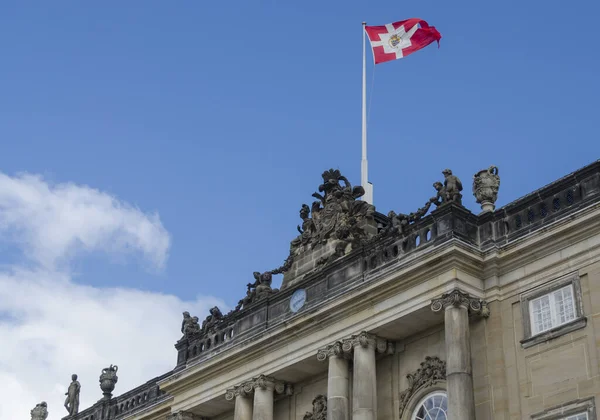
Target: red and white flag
x,y
399,39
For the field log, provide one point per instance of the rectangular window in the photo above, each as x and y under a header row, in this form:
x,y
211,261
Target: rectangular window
x,y
552,310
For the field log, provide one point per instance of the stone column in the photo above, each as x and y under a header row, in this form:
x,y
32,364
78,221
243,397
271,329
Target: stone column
x,y
364,386
459,379
243,400
261,408
337,381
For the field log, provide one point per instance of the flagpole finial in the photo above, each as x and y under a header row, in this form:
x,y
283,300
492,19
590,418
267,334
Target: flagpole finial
x,y
364,23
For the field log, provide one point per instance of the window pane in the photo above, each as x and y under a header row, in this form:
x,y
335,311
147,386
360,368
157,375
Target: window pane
x,y
432,407
564,305
540,314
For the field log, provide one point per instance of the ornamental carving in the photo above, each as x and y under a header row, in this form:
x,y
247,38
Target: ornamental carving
x,y
337,215
458,298
364,339
108,380
432,370
331,350
319,411
264,382
40,411
486,184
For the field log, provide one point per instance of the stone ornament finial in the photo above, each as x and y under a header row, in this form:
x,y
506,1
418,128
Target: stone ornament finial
x,y
432,370
263,382
40,411
108,380
319,411
458,298
72,400
486,184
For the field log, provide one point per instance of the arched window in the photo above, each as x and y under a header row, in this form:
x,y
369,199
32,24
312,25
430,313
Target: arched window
x,y
433,407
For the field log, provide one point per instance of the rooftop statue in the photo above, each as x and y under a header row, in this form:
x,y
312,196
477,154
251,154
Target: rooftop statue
x,y
72,400
40,411
486,184
449,191
212,320
189,325
337,215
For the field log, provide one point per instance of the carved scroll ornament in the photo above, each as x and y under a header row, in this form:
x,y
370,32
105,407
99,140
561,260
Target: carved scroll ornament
x,y
432,370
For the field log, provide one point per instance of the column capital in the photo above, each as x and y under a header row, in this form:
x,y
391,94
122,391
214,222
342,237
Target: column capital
x,y
332,350
364,339
246,388
457,298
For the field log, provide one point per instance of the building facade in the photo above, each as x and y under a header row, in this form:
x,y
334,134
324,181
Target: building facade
x,y
436,314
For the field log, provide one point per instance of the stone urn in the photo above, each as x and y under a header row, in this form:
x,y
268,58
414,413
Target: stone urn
x,y
108,380
486,184
40,411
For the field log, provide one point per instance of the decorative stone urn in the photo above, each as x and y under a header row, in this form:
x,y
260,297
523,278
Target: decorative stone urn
x,y
486,184
108,380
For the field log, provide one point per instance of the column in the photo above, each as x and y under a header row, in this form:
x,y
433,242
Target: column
x,y
337,381
457,305
364,385
243,400
261,406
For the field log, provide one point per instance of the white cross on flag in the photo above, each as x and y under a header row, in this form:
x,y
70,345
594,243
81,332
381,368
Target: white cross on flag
x,y
399,39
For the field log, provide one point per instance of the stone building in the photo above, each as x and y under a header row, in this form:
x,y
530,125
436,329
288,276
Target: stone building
x,y
436,314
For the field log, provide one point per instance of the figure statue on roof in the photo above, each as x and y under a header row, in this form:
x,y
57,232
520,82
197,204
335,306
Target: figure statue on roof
x,y
449,191
212,320
72,400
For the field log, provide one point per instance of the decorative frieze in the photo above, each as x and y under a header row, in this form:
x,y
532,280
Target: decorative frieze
x,y
432,370
263,382
319,411
457,298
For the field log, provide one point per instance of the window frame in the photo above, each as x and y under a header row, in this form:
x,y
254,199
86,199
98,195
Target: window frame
x,y
571,408
579,322
424,398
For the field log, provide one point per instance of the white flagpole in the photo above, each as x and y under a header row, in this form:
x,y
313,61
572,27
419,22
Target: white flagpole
x,y
364,167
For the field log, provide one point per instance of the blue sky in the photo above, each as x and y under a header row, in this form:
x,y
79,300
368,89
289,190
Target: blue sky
x,y
221,116
191,132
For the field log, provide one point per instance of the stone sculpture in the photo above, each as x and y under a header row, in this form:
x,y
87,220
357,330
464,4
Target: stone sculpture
x,y
212,320
432,370
72,400
40,411
189,325
486,184
108,380
319,411
449,191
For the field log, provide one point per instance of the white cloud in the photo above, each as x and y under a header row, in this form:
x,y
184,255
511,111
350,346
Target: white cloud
x,y
51,327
